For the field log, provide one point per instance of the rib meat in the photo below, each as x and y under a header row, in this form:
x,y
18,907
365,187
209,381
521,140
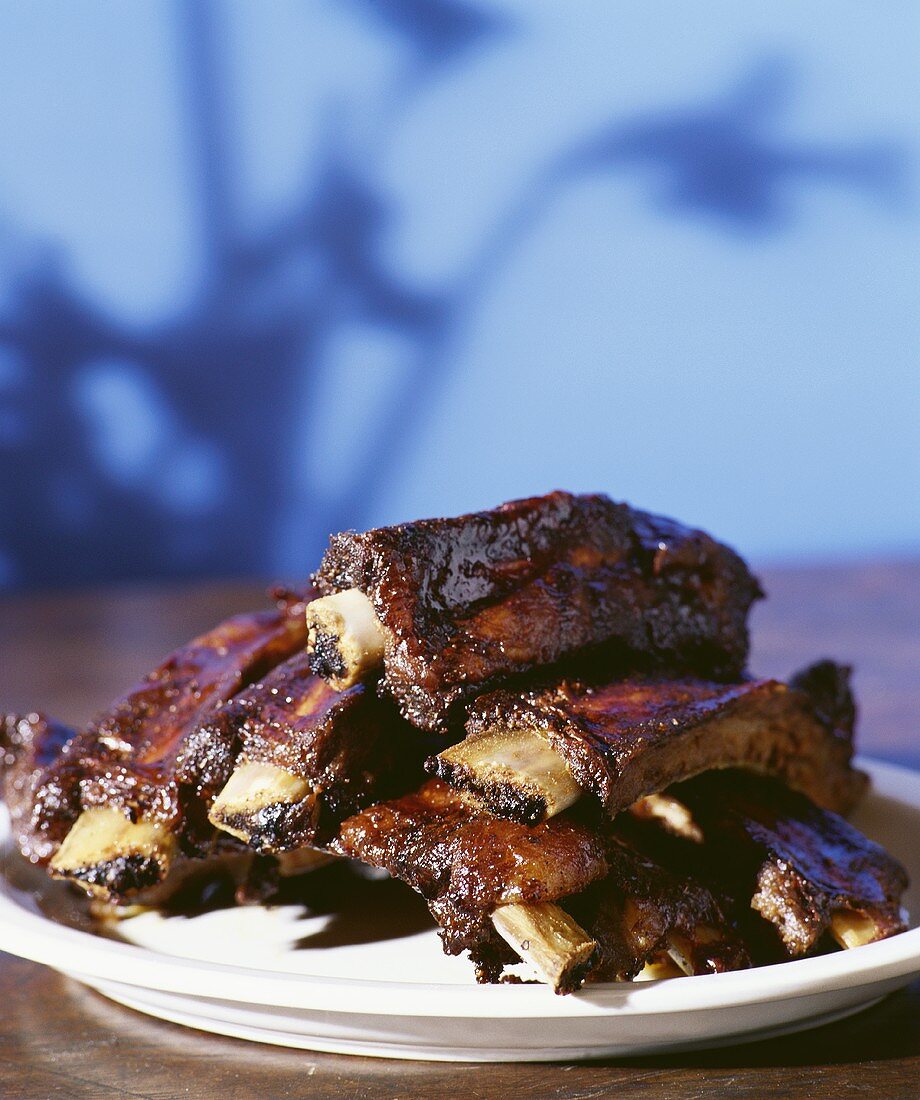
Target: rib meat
x,y
29,745
466,863
466,602
624,739
645,910
350,748
798,866
125,762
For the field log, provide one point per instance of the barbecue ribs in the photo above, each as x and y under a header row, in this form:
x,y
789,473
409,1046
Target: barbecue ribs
x,y
484,878
528,755
289,758
452,606
805,870
114,789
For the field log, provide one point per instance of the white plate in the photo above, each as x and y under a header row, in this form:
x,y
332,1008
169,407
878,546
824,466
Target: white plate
x,y
372,979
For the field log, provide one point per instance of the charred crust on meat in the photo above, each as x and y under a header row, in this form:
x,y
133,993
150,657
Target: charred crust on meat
x,y
475,599
121,875
503,799
629,737
280,827
326,657
772,850
465,862
349,748
130,758
827,685
645,907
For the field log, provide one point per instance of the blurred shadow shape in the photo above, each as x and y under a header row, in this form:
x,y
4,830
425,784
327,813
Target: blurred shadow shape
x,y
438,30
727,160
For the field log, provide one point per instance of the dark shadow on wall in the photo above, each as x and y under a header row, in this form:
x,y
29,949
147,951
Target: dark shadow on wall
x,y
727,160
167,451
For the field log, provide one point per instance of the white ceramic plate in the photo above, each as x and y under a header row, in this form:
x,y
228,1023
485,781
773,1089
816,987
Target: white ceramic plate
x,y
370,978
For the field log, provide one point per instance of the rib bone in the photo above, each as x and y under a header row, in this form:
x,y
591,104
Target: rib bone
x,y
656,969
672,814
680,948
254,791
302,861
623,739
852,929
346,638
547,938
518,759
104,846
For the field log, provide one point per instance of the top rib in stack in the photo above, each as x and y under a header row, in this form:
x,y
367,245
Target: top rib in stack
x,y
568,665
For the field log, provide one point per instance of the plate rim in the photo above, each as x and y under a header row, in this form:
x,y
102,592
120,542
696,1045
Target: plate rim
x,y
36,937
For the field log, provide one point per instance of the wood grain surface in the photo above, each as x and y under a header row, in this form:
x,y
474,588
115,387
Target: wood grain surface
x,y
70,654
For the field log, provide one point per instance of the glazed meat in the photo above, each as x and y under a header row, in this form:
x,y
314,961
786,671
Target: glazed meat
x,y
463,603
474,869
803,869
466,863
289,758
644,912
115,786
29,745
527,755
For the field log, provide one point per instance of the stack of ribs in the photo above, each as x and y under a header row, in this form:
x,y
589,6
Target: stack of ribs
x,y
610,796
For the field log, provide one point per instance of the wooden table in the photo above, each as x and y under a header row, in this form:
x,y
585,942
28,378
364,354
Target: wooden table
x,y
71,654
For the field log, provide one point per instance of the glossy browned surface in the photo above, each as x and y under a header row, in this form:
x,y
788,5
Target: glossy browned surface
x,y
29,743
641,906
128,753
465,863
478,597
795,864
70,654
351,747
624,739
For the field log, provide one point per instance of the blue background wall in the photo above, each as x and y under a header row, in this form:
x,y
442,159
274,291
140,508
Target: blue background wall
x,y
271,269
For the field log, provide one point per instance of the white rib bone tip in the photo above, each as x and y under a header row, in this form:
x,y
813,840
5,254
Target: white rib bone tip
x,y
101,835
546,938
852,929
251,788
345,633
515,759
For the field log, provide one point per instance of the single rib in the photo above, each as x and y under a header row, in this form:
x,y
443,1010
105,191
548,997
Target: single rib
x,y
529,755
289,758
469,866
115,789
463,603
805,870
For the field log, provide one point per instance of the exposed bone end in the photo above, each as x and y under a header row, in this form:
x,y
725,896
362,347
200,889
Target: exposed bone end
x,y
256,802
302,861
109,855
852,929
657,969
672,814
345,638
547,938
680,949
514,772
184,877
